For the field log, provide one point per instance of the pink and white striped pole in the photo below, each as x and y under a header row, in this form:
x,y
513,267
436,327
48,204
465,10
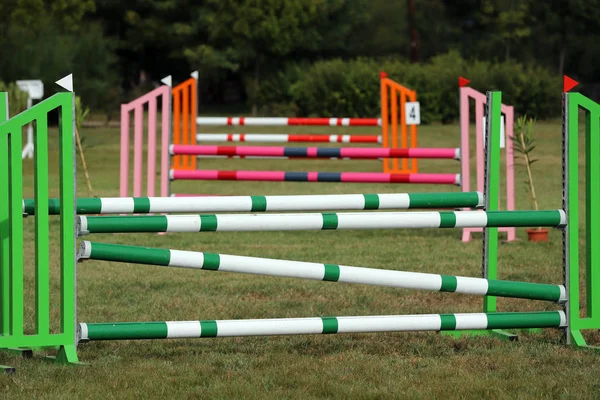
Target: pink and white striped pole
x,y
366,153
466,94
138,105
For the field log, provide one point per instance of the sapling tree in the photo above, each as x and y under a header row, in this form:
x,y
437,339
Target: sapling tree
x,y
524,145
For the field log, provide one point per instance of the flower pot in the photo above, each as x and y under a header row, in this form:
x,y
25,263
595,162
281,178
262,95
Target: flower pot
x,y
537,235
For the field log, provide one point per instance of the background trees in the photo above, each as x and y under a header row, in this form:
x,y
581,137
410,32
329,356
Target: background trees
x,y
243,47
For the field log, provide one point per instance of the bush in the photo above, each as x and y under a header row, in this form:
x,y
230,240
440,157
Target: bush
x,y
351,88
17,99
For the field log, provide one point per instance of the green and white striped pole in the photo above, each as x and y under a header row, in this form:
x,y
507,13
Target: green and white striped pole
x,y
318,221
323,272
379,201
319,325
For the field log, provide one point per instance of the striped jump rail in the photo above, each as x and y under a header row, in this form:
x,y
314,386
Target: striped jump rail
x,y
285,138
318,221
267,121
321,272
314,152
319,325
190,204
284,176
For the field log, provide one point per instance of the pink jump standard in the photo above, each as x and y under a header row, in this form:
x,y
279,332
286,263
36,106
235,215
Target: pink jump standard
x,y
137,106
467,93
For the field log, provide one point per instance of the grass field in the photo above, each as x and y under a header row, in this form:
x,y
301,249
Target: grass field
x,y
364,366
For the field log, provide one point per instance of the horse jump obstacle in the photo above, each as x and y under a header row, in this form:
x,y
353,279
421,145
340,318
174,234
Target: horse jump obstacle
x,y
392,95
569,318
187,169
214,328
192,151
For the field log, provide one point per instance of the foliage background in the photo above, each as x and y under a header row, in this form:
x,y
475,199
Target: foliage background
x,y
305,57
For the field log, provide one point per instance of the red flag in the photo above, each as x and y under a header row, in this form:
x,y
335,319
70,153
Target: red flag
x,y
569,83
462,82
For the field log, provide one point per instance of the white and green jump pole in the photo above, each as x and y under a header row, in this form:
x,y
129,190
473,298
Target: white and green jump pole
x,y
375,201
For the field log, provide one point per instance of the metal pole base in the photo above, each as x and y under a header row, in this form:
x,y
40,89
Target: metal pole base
x,y
578,340
67,355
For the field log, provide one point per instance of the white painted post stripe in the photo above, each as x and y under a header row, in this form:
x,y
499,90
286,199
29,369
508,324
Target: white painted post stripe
x,y
396,200
211,137
282,222
345,121
390,278
183,329
471,285
266,121
388,220
480,201
85,249
276,138
307,203
262,327
183,223
457,179
471,321
271,267
211,121
201,204
471,218
389,323
563,217
186,259
563,316
82,226
83,331
115,205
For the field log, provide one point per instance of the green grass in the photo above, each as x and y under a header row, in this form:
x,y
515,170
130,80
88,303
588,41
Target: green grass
x,y
415,365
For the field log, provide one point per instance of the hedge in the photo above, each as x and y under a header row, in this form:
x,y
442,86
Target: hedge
x,y
350,88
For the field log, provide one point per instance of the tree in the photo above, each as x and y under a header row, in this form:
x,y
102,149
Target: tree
x,y
255,37
67,14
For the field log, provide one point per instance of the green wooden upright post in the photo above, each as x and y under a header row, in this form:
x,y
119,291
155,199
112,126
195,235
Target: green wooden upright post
x,y
572,102
491,195
11,205
4,271
42,231
4,231
491,188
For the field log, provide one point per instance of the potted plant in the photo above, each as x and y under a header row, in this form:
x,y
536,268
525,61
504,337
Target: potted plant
x,y
523,142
